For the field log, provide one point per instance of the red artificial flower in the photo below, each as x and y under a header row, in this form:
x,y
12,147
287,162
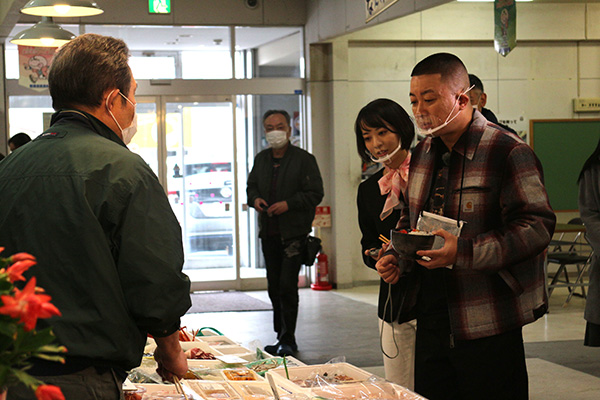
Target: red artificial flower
x,y
49,392
15,271
21,257
28,306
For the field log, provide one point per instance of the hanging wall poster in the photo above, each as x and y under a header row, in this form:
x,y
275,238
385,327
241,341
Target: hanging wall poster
x,y
505,26
34,64
376,7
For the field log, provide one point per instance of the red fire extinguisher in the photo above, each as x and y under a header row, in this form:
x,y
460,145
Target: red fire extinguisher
x,y
322,272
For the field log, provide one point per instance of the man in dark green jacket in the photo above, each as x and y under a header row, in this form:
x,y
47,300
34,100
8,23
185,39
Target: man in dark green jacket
x,y
108,246
284,187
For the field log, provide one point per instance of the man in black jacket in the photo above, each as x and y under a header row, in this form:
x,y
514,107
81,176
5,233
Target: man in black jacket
x,y
284,186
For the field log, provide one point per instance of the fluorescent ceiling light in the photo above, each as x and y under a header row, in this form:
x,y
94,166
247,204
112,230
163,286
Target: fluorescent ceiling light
x,y
43,34
61,8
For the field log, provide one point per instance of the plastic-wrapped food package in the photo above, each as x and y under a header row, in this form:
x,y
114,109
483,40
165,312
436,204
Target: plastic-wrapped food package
x,y
373,388
146,372
337,381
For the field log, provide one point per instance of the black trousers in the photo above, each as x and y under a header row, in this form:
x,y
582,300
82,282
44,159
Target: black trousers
x,y
283,260
488,368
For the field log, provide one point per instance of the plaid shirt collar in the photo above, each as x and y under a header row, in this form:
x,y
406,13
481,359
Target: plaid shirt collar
x,y
472,135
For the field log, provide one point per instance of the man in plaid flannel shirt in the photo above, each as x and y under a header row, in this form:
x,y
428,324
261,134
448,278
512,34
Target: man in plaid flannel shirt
x,y
480,288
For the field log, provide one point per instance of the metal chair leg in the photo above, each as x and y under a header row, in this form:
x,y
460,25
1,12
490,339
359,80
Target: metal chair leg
x,y
578,282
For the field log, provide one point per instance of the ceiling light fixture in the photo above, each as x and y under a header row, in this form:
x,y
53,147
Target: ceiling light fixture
x,y
61,8
43,34
490,1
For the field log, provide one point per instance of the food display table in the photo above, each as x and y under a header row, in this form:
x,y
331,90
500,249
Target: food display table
x,y
224,369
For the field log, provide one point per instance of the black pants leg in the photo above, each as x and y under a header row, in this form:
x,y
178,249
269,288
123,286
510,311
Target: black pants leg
x,y
273,253
488,368
283,261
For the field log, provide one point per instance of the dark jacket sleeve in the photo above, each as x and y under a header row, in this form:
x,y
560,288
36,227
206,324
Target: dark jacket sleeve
x,y
370,235
252,191
311,186
151,260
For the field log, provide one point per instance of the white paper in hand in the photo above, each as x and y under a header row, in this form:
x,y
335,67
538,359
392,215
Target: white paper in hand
x,y
429,222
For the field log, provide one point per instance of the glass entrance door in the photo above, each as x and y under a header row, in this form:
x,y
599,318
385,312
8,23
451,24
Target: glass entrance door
x,y
198,147
200,184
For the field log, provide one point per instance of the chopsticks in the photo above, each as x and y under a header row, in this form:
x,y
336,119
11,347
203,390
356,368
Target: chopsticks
x,y
384,239
178,387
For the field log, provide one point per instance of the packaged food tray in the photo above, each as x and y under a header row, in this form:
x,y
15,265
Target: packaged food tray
x,y
303,379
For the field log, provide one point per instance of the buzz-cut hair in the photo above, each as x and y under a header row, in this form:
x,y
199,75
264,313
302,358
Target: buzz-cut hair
x,y
449,66
475,82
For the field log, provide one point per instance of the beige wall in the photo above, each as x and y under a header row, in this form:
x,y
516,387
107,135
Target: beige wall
x,y
557,58
332,18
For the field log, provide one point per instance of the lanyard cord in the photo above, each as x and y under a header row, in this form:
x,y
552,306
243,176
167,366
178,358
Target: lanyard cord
x,y
462,180
389,300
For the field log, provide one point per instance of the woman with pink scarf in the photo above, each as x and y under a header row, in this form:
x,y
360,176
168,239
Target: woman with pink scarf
x,y
384,134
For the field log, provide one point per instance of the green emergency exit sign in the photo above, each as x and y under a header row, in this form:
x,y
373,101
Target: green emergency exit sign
x,y
159,6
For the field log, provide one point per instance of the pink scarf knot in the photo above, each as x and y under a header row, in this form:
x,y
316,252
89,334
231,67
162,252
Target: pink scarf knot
x,y
392,183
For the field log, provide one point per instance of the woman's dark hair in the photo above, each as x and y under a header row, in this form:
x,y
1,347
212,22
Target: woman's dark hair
x,y
383,113
595,157
84,68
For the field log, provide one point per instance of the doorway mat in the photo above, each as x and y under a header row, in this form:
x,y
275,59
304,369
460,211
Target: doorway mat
x,y
226,301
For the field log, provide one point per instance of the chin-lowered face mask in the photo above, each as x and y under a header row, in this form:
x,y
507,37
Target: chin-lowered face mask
x,y
429,124
129,132
387,157
276,139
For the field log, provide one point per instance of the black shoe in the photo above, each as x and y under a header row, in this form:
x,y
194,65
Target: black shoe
x,y
272,348
285,350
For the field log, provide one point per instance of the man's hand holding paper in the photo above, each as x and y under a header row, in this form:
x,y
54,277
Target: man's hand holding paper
x,y
444,257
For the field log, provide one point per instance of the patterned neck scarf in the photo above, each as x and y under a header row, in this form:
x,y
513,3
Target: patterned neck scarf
x,y
392,183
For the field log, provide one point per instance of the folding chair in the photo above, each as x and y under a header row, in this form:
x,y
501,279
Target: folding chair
x,y
577,253
557,245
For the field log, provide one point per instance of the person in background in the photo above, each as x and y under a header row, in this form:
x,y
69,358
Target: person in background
x,y
484,284
18,140
108,246
479,99
384,133
284,187
589,209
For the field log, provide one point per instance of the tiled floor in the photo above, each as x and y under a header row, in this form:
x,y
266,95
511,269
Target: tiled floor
x,y
548,380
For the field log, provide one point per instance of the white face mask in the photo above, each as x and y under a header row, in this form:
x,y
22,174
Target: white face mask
x,y
387,157
425,123
128,133
131,130
276,139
